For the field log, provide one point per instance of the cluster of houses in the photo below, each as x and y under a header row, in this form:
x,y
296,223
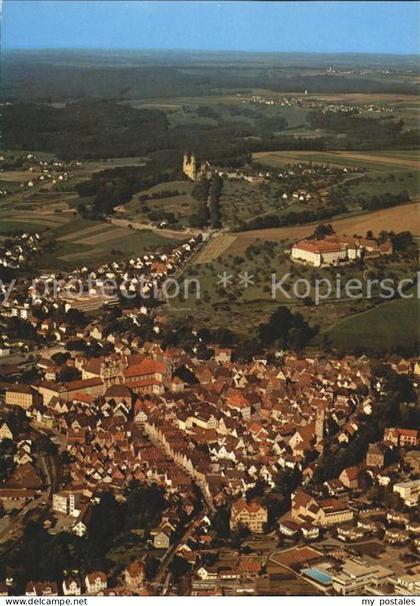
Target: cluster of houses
x,y
351,109
312,103
138,411
41,172
45,301
334,573
300,182
16,253
25,482
223,426
94,583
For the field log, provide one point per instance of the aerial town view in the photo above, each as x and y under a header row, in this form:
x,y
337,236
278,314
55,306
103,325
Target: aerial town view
x,y
209,301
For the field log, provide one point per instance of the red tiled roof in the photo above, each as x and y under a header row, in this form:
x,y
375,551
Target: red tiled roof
x,y
93,576
249,566
318,246
147,367
238,400
241,504
144,383
409,433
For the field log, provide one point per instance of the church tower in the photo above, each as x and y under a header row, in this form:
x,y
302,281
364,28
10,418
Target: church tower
x,y
189,166
319,426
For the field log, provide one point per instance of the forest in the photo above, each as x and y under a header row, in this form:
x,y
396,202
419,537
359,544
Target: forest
x,y
115,186
83,130
363,132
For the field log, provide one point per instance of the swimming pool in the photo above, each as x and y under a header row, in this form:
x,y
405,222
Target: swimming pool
x,y
317,575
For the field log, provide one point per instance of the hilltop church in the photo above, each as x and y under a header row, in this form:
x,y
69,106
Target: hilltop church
x,y
196,169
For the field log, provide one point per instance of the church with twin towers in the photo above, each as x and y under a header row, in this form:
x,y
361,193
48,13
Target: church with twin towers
x,y
196,169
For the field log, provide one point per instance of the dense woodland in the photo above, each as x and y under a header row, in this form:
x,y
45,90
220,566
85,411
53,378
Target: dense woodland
x,y
116,186
76,104
105,129
361,132
83,130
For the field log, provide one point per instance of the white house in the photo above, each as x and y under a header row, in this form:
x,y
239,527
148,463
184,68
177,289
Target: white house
x,y
71,586
96,582
409,491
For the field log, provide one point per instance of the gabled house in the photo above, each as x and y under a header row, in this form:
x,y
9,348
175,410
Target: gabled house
x,y
134,575
96,582
72,586
350,477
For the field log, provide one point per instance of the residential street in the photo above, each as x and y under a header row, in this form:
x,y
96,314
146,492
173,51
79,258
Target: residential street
x,y
162,581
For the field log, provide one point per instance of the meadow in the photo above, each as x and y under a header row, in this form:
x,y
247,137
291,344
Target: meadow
x,y
386,327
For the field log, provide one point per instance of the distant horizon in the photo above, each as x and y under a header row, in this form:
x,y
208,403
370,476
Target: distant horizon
x,y
328,27
205,50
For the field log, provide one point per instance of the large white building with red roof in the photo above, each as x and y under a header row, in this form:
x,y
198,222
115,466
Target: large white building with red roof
x,y
322,252
338,249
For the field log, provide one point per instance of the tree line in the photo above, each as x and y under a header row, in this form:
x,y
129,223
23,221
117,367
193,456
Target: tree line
x,y
208,193
294,218
385,200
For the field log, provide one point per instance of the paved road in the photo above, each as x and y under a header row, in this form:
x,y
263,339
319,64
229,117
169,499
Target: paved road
x,y
163,578
165,233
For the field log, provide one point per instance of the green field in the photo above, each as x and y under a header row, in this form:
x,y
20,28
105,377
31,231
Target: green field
x,y
119,243
9,186
13,227
228,109
389,325
393,183
384,172
78,241
70,255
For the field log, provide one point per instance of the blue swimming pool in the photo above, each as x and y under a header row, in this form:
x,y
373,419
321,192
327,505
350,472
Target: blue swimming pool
x,y
317,575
